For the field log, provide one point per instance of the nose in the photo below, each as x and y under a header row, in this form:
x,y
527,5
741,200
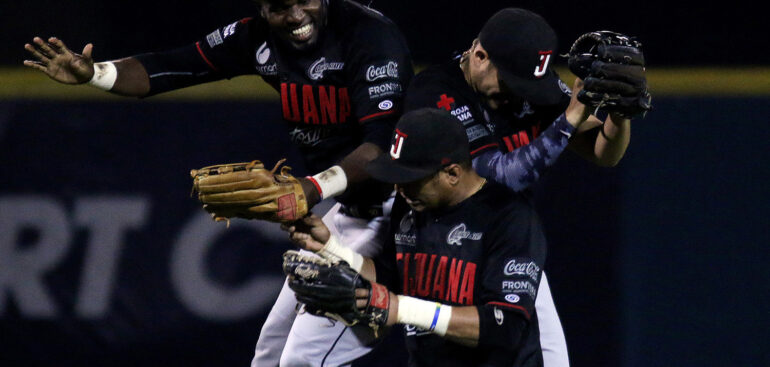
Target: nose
x,y
295,14
407,191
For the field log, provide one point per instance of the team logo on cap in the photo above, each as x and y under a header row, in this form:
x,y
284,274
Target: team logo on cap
x,y
398,143
545,58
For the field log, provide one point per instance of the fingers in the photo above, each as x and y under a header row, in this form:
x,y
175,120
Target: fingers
x,y
576,112
577,85
58,45
45,51
35,65
299,237
294,235
362,297
43,46
311,220
44,59
88,50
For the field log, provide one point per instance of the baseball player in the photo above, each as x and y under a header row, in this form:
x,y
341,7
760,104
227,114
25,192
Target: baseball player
x,y
341,69
464,255
512,105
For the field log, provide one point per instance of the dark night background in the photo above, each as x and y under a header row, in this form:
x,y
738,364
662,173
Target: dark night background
x,y
673,33
660,261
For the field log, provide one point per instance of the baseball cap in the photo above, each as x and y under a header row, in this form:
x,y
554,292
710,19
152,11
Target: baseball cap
x,y
424,141
522,46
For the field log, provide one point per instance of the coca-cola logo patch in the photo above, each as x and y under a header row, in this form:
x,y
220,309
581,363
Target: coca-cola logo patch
x,y
375,72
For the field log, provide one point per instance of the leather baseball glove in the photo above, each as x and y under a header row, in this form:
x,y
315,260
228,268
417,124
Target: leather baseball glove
x,y
612,67
248,190
328,288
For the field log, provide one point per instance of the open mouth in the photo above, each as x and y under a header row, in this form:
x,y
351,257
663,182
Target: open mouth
x,y
302,33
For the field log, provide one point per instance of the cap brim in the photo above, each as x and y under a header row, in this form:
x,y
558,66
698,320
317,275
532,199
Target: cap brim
x,y
388,170
543,91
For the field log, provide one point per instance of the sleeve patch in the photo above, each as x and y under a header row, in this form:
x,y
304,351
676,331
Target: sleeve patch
x,y
387,70
214,38
230,30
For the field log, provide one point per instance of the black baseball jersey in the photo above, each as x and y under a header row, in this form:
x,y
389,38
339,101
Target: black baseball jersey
x,y
443,86
343,92
511,127
487,250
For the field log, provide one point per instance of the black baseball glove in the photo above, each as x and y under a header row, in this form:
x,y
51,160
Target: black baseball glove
x,y
328,288
612,67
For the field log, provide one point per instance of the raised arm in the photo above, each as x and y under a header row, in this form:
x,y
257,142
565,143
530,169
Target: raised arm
x,y
612,65
126,77
520,168
603,143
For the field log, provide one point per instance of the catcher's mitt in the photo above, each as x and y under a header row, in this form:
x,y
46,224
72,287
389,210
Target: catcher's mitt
x,y
248,190
612,67
328,288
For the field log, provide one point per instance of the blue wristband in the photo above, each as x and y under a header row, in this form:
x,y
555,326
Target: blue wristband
x,y
435,316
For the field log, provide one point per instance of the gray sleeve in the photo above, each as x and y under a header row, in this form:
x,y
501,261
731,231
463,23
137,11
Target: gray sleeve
x,y
521,167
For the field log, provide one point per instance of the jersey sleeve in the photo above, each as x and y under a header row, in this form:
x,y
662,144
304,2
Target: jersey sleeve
x,y
381,68
520,168
223,53
430,91
515,252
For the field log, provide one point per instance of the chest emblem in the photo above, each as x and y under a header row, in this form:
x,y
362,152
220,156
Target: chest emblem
x,y
263,56
317,68
405,234
459,233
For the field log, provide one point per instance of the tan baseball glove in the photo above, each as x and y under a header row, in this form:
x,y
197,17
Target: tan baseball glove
x,y
248,190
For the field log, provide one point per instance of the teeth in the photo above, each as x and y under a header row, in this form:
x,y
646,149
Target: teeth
x,y
303,31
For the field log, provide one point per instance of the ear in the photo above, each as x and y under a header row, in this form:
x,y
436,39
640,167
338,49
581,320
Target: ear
x,y
453,172
262,8
479,56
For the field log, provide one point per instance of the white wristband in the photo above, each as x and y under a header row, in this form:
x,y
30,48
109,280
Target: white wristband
x,y
105,74
428,315
331,182
334,250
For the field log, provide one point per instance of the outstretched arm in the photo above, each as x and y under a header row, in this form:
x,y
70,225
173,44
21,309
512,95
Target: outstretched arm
x,y
335,180
126,77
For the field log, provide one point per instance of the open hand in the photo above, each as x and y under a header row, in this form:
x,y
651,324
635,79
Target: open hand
x,y
60,64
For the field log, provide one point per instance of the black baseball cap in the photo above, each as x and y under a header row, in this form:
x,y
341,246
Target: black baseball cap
x,y
425,140
523,46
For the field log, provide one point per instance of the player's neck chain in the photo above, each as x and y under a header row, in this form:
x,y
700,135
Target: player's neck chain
x,y
481,186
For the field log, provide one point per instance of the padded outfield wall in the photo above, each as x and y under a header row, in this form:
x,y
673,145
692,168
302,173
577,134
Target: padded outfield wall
x,y
106,260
